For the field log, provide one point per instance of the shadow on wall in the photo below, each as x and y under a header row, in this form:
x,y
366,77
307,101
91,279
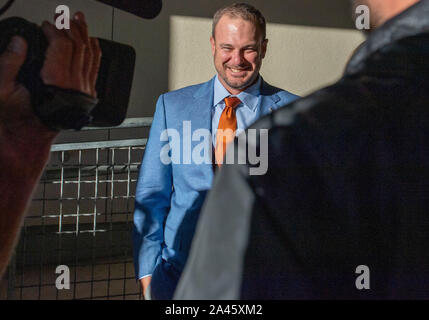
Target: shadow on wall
x,y
153,73
316,13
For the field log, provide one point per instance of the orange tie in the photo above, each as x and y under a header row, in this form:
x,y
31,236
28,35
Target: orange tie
x,y
226,129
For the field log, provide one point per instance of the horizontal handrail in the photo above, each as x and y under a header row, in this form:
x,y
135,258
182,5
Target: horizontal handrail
x,y
127,123
98,145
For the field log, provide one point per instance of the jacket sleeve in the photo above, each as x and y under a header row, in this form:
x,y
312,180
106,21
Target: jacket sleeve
x,y
153,198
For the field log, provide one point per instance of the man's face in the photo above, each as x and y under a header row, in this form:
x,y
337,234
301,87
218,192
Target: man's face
x,y
238,50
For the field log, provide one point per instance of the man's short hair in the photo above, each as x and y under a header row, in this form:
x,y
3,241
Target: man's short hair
x,y
244,11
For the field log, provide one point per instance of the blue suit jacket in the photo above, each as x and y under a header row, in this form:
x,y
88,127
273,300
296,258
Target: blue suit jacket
x,y
169,197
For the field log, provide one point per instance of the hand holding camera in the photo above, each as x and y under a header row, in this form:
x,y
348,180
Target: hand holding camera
x,y
72,58
71,62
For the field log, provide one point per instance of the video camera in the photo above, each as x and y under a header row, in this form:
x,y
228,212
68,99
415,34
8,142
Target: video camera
x,y
54,106
62,109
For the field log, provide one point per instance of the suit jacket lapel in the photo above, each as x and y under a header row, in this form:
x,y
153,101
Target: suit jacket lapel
x,y
201,110
269,98
202,106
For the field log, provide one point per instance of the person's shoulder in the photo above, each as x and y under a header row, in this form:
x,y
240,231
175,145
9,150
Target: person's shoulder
x,y
284,95
324,107
188,91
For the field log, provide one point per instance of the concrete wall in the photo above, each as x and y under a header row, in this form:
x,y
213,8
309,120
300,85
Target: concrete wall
x,y
310,42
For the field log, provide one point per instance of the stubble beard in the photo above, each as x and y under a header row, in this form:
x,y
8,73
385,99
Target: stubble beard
x,y
243,85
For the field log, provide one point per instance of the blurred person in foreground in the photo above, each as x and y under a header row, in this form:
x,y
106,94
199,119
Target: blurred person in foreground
x,y
342,212
72,62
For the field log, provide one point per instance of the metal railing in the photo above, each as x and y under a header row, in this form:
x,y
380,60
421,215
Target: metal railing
x,y
81,217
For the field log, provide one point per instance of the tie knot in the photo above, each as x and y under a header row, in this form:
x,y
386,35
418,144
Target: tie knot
x,y
232,102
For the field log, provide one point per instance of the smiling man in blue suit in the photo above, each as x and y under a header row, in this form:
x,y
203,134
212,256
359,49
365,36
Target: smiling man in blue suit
x,y
170,194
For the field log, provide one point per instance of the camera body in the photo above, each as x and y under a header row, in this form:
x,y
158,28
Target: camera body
x,y
113,84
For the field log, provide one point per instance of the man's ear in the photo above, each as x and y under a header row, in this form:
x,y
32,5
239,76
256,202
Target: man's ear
x,y
264,48
213,44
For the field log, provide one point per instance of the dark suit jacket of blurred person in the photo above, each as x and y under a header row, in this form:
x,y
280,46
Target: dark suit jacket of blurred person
x,y
347,185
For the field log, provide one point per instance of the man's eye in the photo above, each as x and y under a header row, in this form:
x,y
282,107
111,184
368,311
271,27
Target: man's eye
x,y
226,49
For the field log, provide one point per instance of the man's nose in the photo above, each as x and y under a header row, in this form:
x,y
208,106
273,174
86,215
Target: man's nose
x,y
237,57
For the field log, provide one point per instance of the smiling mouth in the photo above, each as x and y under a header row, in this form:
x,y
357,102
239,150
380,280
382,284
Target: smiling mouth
x,y
235,70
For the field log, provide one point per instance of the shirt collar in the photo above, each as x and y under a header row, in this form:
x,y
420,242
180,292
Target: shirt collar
x,y
249,97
